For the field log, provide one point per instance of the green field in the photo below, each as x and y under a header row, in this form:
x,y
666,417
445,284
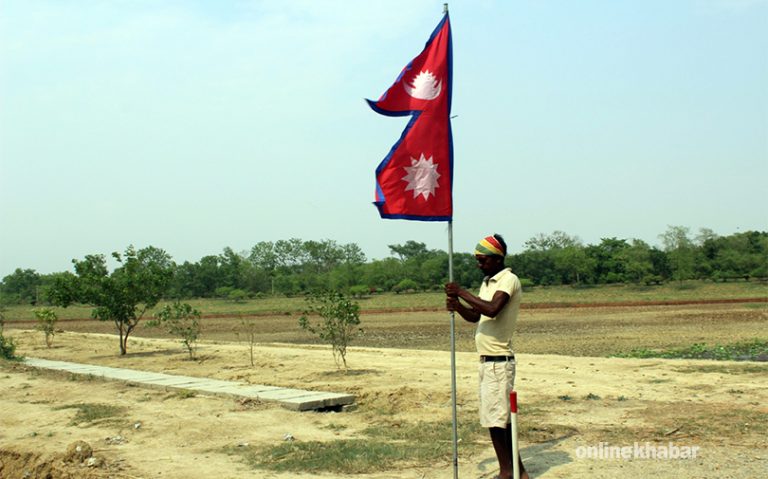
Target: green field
x,y
532,297
601,321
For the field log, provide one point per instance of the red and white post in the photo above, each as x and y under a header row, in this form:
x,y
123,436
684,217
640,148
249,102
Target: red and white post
x,y
513,431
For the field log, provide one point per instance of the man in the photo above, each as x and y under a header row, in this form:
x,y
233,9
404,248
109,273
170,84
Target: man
x,y
494,310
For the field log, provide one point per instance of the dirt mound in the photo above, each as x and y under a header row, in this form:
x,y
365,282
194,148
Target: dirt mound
x,y
76,463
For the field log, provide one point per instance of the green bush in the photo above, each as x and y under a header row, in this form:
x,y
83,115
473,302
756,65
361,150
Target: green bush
x,y
223,291
650,279
7,345
237,295
46,322
359,290
406,285
340,320
181,320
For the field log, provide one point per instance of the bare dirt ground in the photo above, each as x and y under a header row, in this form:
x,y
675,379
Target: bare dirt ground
x,y
567,403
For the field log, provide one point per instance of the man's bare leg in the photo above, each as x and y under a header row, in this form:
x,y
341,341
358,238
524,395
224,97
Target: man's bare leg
x,y
502,444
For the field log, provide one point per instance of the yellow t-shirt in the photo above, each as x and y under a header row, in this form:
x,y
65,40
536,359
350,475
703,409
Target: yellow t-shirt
x,y
493,336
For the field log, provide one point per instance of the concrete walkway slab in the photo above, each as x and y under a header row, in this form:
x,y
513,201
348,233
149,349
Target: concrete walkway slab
x,y
294,399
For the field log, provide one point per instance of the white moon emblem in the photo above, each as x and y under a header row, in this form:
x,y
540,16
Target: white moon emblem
x,y
424,87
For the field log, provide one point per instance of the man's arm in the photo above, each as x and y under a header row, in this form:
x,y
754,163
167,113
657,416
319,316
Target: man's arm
x,y
477,306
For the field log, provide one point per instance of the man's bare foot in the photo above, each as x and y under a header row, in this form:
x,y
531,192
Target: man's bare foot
x,y
523,475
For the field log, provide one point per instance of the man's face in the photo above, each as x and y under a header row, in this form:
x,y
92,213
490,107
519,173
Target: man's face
x,y
489,265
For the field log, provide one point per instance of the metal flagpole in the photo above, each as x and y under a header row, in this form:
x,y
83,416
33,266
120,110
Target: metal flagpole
x,y
453,344
453,359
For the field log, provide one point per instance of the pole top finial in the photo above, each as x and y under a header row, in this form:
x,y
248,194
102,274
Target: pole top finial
x,y
445,8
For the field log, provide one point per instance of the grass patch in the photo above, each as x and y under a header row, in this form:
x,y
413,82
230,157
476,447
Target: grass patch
x,y
755,306
732,369
659,381
80,377
709,422
755,350
279,305
538,433
383,448
92,413
691,422
335,427
180,394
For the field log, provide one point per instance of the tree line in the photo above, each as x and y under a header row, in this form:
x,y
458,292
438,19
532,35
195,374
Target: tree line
x,y
295,266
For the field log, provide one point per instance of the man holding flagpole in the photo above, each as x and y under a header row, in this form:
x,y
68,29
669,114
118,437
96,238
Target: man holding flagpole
x,y
494,310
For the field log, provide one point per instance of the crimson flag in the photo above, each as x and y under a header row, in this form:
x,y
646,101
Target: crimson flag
x,y
415,179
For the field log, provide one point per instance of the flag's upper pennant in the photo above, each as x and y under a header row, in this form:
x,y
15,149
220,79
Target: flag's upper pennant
x,y
415,180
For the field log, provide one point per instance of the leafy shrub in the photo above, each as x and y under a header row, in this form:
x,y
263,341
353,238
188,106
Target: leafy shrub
x,y
405,285
650,279
237,295
223,291
46,322
340,321
359,290
181,320
7,345
527,283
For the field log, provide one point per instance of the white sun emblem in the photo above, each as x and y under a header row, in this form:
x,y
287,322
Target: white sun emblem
x,y
422,177
424,87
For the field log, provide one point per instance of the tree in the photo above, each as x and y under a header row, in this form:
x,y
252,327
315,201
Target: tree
x,y
433,271
237,295
182,320
558,239
46,322
680,250
209,275
21,286
383,273
637,262
465,270
251,332
405,285
610,260
340,321
573,264
411,249
292,266
122,296
359,290
231,269
553,259
538,265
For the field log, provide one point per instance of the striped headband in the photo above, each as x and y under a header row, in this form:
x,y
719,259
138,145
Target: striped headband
x,y
489,246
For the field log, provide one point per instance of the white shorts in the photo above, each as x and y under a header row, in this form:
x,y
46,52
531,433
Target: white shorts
x,y
497,380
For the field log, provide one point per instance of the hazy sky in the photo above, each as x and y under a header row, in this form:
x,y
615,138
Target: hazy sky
x,y
196,125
